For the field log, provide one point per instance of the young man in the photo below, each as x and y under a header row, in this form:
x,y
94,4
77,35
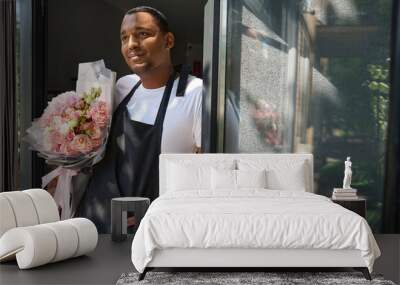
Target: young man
x,y
158,110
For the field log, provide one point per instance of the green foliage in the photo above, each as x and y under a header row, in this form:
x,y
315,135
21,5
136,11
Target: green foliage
x,y
88,97
378,84
361,113
355,122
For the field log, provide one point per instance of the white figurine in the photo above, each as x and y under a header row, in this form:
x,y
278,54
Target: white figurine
x,y
347,174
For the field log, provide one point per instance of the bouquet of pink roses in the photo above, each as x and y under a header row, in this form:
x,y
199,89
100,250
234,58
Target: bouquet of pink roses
x,y
72,126
267,121
73,129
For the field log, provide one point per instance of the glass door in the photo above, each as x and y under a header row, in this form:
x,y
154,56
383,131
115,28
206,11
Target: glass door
x,y
305,76
260,76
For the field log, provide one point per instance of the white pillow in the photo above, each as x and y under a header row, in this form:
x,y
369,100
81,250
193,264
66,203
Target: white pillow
x,y
182,177
223,179
251,178
282,174
193,173
292,180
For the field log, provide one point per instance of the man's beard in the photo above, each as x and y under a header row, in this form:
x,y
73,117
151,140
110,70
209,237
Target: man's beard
x,y
142,68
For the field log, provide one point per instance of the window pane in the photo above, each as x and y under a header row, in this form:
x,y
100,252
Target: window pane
x,y
259,105
312,76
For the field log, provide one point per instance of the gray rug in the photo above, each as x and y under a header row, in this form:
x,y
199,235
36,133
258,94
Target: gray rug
x,y
233,278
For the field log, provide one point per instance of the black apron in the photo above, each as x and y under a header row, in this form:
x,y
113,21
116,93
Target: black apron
x,y
130,163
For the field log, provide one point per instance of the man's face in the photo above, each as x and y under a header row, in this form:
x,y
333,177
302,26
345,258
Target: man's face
x,y
143,45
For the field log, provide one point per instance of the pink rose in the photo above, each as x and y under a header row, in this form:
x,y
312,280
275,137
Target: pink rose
x,y
79,105
59,103
92,130
99,113
68,111
67,149
70,136
81,143
56,137
85,126
96,143
69,98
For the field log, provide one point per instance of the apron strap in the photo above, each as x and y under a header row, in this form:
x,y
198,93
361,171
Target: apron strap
x,y
184,74
117,117
128,97
164,102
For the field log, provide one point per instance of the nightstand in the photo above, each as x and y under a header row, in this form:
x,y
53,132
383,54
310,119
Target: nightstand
x,y
358,206
120,207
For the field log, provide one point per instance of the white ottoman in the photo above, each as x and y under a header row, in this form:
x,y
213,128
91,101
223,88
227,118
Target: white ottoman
x,y
31,232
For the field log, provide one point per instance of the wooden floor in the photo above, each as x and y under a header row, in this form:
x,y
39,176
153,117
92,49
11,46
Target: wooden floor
x,y
110,260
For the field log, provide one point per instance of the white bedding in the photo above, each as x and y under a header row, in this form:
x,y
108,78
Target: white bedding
x,y
250,218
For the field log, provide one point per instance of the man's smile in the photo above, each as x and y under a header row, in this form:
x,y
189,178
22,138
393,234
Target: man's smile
x,y
133,56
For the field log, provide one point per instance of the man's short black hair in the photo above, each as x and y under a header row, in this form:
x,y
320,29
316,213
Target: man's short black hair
x,y
160,17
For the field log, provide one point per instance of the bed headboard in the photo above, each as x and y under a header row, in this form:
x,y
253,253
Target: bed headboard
x,y
212,158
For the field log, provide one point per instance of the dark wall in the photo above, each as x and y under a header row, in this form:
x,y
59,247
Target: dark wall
x,y
80,31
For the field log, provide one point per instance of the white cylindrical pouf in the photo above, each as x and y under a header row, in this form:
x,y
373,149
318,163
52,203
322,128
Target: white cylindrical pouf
x,y
87,233
67,239
45,205
23,208
7,218
40,247
40,244
34,246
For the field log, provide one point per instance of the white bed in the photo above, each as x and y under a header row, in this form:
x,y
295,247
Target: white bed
x,y
210,223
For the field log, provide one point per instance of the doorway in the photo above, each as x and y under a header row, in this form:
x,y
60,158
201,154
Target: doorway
x,y
66,33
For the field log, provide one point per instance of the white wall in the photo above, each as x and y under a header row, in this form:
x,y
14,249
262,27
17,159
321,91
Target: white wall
x,y
88,30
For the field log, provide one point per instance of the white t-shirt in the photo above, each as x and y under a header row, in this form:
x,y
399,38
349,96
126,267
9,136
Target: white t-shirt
x,y
182,123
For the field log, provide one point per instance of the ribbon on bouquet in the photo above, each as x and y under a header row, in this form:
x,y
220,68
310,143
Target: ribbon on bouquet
x,y
62,194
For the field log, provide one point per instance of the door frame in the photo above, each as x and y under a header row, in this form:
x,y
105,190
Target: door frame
x,y
39,76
